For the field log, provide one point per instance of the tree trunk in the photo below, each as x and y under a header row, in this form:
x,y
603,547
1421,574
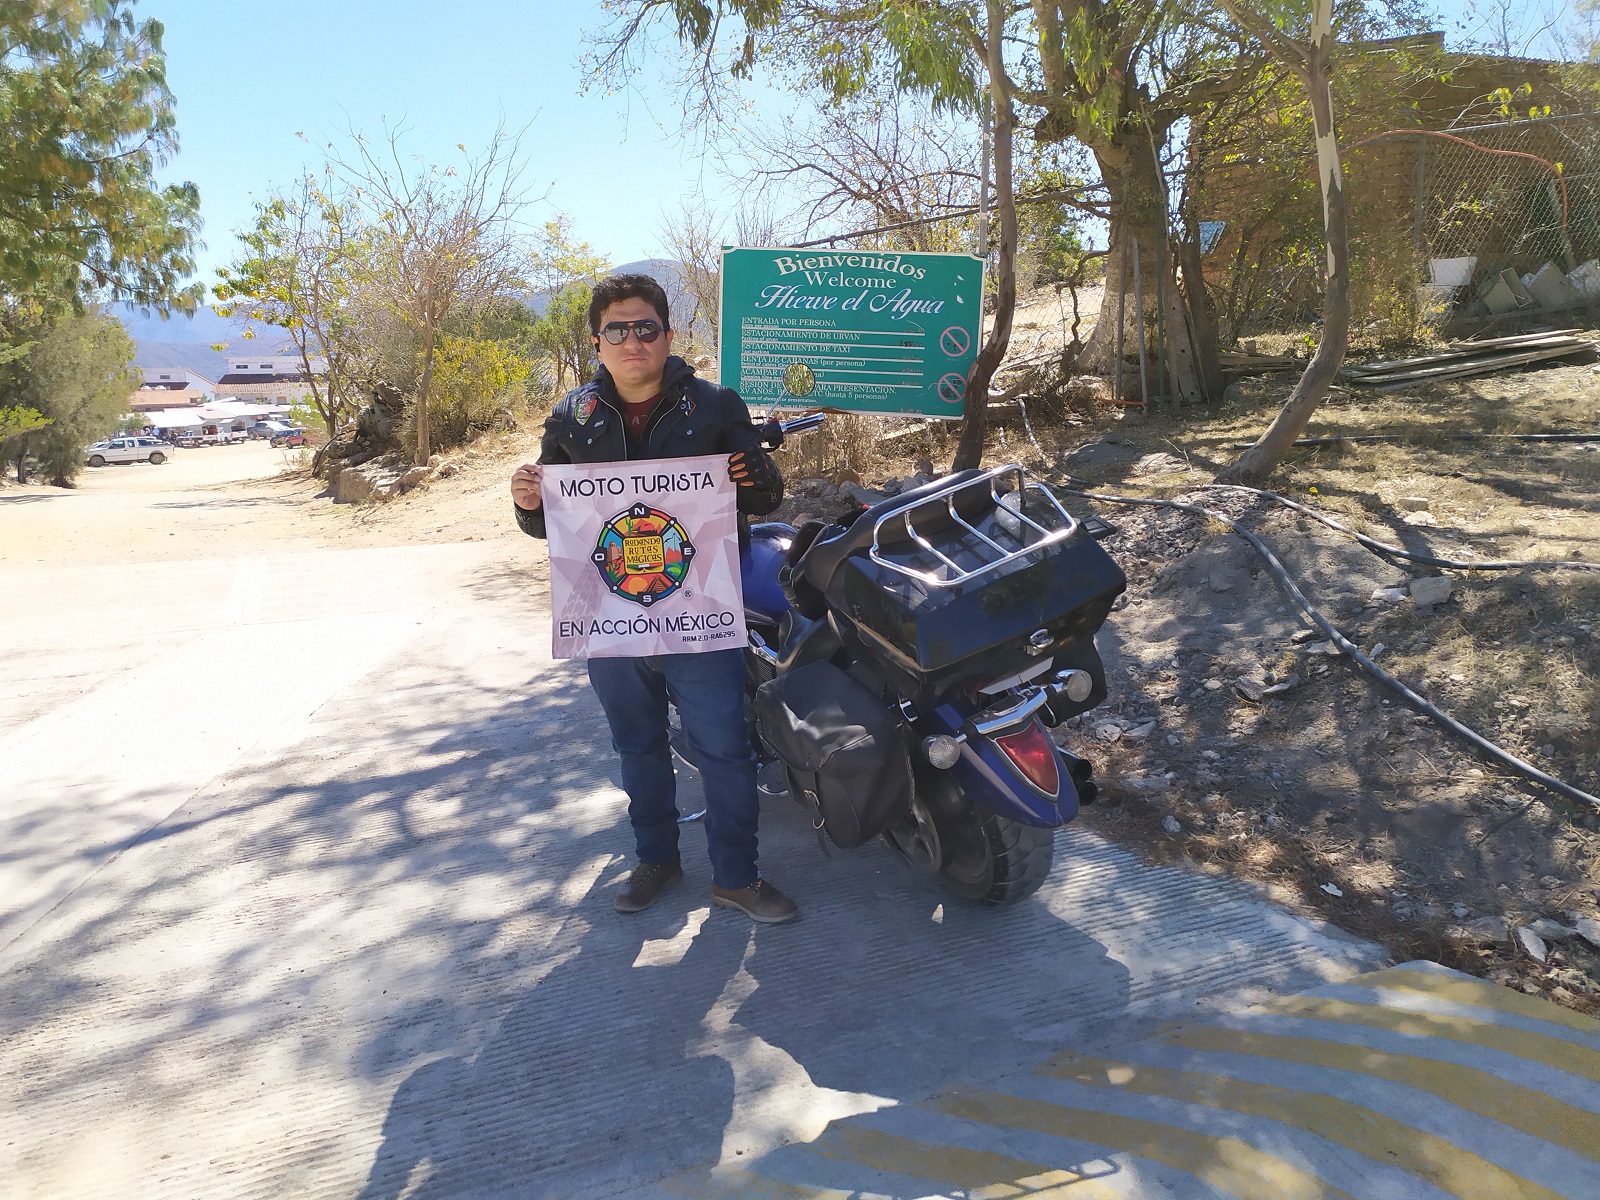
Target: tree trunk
x,y
1138,205
1202,317
424,385
974,426
324,406
22,460
1317,75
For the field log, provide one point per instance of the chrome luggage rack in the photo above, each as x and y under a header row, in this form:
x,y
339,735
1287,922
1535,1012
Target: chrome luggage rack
x,y
957,573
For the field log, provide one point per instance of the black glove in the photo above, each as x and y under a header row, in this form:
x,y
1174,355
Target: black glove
x,y
753,469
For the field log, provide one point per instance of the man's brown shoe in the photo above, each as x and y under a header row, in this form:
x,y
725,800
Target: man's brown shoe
x,y
760,902
639,891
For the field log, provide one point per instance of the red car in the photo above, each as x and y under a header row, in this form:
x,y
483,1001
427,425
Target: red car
x,y
294,437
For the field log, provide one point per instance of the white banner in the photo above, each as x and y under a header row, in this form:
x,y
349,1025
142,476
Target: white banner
x,y
644,558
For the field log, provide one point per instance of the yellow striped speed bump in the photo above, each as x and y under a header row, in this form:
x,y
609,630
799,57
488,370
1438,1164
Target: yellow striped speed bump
x,y
1413,1083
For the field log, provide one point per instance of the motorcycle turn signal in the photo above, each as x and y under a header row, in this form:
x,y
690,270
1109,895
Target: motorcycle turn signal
x,y
941,750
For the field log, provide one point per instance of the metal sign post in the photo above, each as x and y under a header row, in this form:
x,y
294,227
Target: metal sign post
x,y
866,331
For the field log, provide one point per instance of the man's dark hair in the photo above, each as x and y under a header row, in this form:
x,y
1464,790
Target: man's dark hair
x,y
615,288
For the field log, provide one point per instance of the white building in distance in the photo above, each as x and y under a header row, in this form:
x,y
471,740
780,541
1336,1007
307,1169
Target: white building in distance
x,y
269,378
171,387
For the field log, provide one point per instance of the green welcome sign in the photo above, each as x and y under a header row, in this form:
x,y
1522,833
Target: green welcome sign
x,y
862,331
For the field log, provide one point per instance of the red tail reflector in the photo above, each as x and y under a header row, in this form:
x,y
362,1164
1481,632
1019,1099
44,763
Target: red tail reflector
x,y
1032,754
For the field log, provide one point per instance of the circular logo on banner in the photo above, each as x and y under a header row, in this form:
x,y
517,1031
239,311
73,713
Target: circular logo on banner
x,y
643,554
952,388
799,379
954,341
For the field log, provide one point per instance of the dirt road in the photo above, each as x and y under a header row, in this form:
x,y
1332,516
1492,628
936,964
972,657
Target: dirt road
x,y
308,848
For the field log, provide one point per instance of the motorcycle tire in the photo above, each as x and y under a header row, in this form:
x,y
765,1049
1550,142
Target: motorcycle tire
x,y
994,860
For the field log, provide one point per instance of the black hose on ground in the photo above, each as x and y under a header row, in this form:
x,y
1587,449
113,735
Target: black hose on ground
x,y
1392,551
1340,439
1280,573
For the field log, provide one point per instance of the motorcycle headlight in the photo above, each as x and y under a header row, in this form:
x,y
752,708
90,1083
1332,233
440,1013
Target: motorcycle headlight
x,y
941,750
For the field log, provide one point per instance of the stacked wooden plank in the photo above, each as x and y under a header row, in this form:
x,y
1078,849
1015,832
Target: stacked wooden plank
x,y
1239,363
1461,359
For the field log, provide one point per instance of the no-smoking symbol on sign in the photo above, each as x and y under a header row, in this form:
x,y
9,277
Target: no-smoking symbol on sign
x,y
955,341
952,387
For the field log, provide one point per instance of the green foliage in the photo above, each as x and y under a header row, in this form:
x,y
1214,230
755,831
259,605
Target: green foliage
x,y
1050,241
563,334
18,419
559,258
78,377
476,382
302,270
85,121
564,268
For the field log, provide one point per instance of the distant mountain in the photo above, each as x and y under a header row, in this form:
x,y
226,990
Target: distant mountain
x,y
204,327
665,271
187,341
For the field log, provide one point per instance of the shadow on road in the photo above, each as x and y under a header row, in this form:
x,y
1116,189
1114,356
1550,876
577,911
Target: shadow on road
x,y
404,924
33,497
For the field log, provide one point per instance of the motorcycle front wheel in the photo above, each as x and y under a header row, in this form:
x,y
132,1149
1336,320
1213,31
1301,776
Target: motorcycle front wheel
x,y
992,859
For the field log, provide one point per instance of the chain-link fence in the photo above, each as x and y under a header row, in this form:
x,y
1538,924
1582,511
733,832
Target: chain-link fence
x,y
1436,221
1514,197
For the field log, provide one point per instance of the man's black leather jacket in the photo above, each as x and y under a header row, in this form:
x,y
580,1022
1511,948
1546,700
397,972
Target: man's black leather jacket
x,y
694,416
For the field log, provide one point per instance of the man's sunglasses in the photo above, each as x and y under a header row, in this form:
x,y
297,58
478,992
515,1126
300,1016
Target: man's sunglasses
x,y
616,332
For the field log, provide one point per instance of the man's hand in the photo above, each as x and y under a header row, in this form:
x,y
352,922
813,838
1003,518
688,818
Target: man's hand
x,y
753,469
527,486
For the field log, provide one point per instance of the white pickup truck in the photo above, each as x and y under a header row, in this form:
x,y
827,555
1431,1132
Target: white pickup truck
x,y
127,449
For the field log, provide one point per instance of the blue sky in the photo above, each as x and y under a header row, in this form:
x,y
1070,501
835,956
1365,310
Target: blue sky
x,y
249,77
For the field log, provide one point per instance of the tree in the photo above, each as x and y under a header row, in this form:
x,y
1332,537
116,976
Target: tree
x,y
691,239
871,161
85,120
564,270
305,261
1310,57
951,53
475,382
78,377
446,240
18,419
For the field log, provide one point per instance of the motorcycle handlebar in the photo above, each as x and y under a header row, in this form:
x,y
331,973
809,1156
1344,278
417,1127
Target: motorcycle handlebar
x,y
772,432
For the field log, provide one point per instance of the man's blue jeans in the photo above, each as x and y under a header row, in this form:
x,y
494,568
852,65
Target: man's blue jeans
x,y
709,692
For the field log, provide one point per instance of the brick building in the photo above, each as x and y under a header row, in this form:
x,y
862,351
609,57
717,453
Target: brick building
x,y
1490,190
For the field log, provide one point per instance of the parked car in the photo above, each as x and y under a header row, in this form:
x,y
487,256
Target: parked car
x,y
212,435
126,450
269,429
289,437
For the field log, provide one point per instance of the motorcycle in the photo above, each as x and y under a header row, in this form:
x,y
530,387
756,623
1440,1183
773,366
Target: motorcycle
x,y
958,618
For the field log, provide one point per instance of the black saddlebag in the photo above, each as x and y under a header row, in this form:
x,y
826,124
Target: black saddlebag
x,y
847,755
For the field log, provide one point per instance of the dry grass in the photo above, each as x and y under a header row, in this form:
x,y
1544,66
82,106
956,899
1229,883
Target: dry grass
x,y
1334,785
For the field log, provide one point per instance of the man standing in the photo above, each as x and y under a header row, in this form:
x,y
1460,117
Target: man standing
x,y
645,403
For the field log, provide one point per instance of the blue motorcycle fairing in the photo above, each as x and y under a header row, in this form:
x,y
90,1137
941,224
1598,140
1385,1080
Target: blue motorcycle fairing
x,y
758,567
984,770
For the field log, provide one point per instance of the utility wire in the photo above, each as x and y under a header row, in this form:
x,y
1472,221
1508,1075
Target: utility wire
x,y
1314,615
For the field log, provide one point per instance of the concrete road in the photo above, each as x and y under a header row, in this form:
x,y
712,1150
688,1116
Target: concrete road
x,y
305,862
